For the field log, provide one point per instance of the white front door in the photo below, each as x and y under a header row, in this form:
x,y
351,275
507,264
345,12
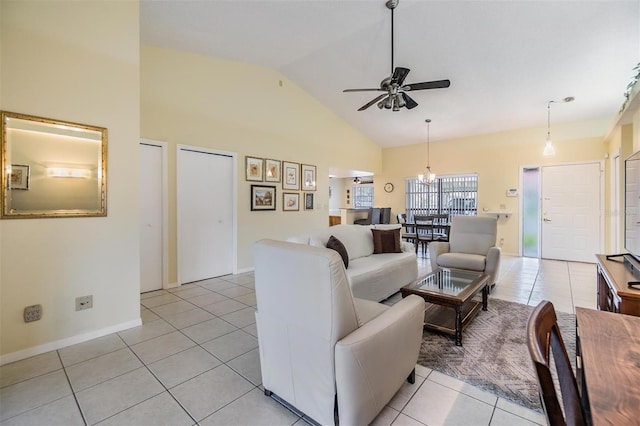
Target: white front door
x,y
205,214
151,217
571,212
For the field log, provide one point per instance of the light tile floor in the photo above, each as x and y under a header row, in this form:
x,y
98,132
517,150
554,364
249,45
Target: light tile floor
x,y
195,361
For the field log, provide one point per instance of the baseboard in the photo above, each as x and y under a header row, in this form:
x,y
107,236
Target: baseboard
x,y
243,270
74,340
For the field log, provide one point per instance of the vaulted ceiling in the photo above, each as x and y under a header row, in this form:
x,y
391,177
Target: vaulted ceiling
x,y
505,59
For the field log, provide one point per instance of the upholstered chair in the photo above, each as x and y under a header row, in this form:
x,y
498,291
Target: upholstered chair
x,y
334,357
471,246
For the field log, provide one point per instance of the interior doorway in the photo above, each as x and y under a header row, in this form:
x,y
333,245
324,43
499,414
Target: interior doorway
x,y
153,216
206,188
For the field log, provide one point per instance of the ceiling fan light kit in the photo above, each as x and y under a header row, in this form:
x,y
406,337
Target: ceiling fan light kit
x,y
395,96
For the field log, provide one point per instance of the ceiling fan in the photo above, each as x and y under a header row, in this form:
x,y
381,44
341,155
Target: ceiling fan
x,y
395,96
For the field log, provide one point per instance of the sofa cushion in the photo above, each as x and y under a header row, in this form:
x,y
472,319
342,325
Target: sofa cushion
x,y
378,276
472,262
472,234
336,244
386,241
357,239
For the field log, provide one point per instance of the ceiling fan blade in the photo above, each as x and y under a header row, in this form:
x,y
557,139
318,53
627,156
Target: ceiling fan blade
x,y
438,84
399,74
409,102
363,90
368,104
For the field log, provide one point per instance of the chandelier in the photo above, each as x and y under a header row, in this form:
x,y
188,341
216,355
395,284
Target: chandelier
x,y
428,177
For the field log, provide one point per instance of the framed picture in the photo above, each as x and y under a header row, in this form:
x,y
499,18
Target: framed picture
x,y
308,177
19,177
308,201
263,197
254,168
290,201
272,170
290,175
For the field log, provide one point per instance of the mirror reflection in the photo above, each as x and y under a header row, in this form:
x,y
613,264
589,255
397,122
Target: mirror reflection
x,y
52,168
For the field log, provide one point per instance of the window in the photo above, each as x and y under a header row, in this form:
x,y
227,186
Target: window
x,y
453,195
362,196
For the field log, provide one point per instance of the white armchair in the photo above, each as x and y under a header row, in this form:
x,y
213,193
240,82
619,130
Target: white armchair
x,y
328,354
471,246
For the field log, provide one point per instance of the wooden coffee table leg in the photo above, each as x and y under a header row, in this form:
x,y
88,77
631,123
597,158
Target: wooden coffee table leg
x,y
485,292
459,326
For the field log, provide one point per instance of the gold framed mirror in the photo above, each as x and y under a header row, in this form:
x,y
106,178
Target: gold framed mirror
x,y
52,168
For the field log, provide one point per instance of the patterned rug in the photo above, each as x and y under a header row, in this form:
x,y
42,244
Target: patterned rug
x,y
494,356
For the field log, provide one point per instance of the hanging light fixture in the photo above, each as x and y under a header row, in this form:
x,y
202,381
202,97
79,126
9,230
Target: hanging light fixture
x,y
549,149
428,177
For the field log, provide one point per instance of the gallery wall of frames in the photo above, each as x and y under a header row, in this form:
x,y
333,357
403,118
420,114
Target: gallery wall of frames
x,y
295,179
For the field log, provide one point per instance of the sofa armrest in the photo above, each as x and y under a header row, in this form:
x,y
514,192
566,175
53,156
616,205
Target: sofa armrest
x,y
493,264
372,362
436,249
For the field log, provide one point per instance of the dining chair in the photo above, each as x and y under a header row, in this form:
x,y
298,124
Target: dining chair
x,y
408,232
545,343
424,231
441,227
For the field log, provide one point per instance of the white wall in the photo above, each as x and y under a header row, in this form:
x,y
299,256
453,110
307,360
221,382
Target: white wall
x,y
74,61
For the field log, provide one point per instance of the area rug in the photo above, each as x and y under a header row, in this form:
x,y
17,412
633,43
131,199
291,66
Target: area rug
x,y
494,356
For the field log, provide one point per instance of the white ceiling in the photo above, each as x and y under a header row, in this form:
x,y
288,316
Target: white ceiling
x,y
505,59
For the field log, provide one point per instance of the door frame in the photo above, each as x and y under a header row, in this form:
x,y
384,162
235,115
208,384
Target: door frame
x,y
601,233
615,198
165,207
234,203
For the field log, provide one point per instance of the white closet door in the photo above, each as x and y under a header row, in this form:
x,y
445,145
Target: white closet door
x,y
571,212
205,215
151,193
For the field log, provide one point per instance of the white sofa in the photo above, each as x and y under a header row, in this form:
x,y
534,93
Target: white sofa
x,y
371,276
336,358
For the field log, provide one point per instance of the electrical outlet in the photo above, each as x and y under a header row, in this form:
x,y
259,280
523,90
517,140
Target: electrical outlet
x,y
32,313
84,302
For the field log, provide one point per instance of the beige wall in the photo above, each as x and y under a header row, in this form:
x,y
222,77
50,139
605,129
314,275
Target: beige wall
x,y
250,110
74,61
497,159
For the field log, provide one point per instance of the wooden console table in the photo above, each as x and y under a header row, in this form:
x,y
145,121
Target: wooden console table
x,y
608,354
613,293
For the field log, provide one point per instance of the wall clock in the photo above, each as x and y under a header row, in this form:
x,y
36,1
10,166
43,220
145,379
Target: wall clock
x,y
388,187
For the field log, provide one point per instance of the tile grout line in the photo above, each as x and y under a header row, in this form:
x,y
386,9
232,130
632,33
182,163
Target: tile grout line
x,y
75,398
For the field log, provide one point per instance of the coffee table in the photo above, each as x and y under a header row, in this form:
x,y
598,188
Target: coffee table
x,y
447,289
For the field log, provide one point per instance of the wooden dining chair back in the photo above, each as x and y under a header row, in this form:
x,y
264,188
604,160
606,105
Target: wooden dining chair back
x,y
441,227
424,231
408,232
545,341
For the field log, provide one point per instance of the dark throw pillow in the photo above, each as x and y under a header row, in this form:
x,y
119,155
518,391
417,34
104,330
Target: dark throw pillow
x,y
386,241
336,244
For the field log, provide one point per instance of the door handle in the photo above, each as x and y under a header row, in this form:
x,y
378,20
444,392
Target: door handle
x,y
546,220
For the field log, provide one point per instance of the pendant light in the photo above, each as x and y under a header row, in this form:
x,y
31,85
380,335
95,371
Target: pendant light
x,y
428,177
549,149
